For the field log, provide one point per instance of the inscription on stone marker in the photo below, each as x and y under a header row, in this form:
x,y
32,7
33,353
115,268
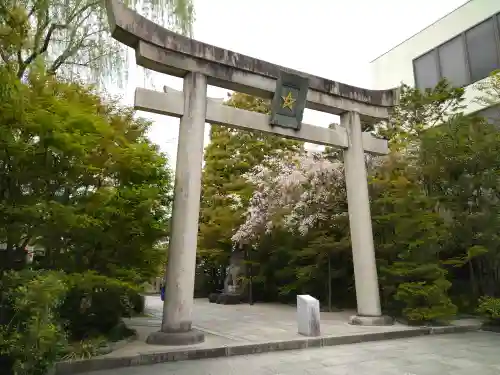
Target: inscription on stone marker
x,y
289,101
308,317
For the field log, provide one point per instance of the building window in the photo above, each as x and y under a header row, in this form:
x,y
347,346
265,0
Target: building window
x,y
463,60
482,50
453,63
426,72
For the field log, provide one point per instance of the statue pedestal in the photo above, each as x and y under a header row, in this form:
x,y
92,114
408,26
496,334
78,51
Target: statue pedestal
x,y
227,298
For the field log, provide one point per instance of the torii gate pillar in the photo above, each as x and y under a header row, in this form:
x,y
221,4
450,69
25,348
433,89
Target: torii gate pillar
x,y
360,224
177,310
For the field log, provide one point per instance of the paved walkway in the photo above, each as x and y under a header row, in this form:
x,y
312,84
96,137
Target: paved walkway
x,y
227,325
261,322
456,354
239,330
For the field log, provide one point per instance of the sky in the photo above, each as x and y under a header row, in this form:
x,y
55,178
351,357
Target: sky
x,y
334,39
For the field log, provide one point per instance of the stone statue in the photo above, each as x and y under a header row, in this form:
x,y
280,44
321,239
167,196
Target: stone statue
x,y
236,269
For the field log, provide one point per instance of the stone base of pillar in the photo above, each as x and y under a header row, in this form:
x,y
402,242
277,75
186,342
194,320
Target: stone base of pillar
x,y
360,320
190,337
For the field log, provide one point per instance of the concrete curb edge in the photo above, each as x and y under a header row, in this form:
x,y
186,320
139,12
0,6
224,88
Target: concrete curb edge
x,y
108,363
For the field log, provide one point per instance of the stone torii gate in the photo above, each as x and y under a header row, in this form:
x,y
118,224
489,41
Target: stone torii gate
x,y
200,64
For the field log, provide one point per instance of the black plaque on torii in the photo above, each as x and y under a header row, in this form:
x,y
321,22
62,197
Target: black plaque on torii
x,y
289,101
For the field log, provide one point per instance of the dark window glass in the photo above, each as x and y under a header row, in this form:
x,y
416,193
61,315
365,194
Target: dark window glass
x,y
426,74
482,50
452,62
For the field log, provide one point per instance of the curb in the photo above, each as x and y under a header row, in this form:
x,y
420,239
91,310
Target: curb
x,y
112,346
108,363
487,328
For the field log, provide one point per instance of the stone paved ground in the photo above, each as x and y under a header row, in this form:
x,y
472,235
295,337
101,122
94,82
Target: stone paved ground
x,y
241,324
260,322
476,353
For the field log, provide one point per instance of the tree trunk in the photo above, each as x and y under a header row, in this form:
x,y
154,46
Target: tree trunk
x,y
249,276
472,280
329,282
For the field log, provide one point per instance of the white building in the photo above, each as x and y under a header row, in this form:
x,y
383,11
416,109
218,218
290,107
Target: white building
x,y
463,46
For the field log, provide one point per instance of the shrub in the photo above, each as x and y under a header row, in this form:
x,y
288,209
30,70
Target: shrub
x,y
31,339
426,302
138,302
489,307
95,304
85,349
422,293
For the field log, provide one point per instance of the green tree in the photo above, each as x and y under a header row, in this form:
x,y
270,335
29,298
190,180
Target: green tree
x,y
419,110
79,178
225,193
434,204
72,36
409,236
448,162
461,163
32,338
489,90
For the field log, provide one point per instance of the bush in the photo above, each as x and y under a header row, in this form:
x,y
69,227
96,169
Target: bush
x,y
489,307
37,306
138,302
95,304
426,301
421,292
85,349
31,338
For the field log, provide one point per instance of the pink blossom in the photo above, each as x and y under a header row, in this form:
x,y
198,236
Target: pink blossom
x,y
295,191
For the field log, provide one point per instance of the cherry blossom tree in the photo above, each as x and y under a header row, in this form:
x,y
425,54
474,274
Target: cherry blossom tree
x,y
295,191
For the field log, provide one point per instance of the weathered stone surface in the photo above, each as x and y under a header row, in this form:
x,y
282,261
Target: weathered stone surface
x,y
378,339
308,319
182,246
176,338
382,320
129,28
360,223
491,328
265,328
233,283
171,103
175,63
464,354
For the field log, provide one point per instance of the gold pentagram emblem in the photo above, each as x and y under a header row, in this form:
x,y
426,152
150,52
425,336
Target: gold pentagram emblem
x,y
288,101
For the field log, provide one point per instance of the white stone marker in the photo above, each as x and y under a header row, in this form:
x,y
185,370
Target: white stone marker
x,y
308,319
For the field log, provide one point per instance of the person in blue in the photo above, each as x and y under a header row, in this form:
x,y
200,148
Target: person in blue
x,y
162,290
